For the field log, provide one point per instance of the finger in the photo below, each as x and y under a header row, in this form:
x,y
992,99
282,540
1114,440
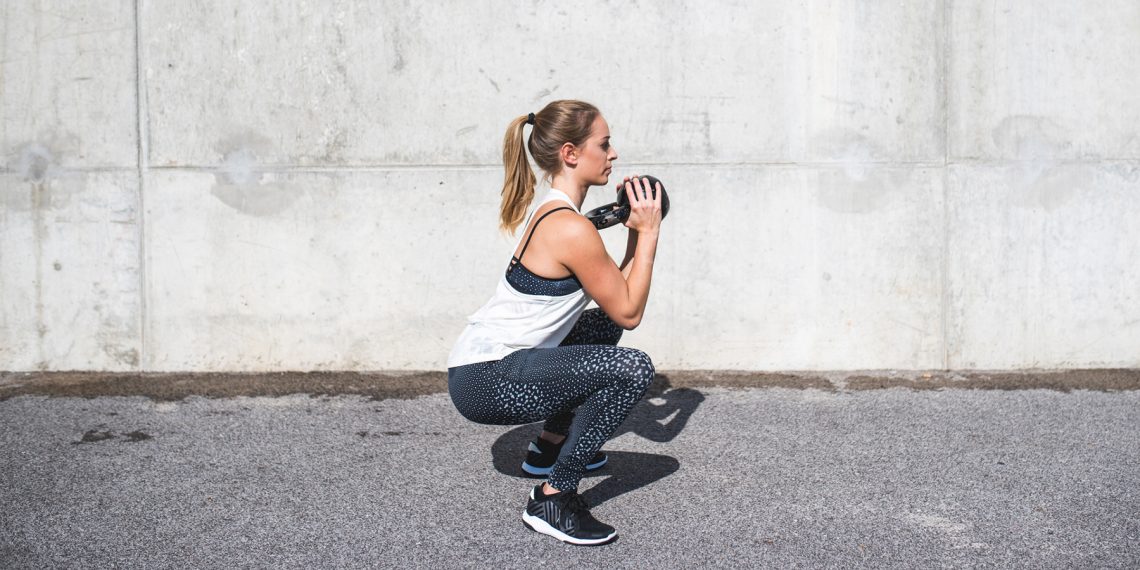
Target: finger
x,y
641,188
629,193
660,192
635,190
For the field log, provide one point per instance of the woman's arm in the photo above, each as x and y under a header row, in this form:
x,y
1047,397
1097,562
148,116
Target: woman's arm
x,y
621,292
630,249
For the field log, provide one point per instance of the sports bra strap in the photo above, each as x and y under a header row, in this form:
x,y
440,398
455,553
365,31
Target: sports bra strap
x,y
535,227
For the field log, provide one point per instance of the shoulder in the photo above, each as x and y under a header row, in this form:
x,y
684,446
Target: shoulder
x,y
568,226
579,238
573,225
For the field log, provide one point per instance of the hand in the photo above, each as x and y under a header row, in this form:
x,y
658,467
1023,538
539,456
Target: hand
x,y
644,209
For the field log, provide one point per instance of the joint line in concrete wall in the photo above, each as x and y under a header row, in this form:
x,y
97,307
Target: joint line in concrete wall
x,y
944,265
143,151
496,166
940,162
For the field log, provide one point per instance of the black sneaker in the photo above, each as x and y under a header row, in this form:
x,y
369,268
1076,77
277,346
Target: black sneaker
x,y
565,516
541,456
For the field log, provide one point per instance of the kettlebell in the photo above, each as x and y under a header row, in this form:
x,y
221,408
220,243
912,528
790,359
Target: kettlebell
x,y
618,212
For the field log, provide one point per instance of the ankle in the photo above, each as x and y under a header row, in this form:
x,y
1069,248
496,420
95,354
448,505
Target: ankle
x,y
552,437
548,490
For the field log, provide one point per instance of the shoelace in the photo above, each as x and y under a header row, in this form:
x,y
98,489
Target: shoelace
x,y
574,503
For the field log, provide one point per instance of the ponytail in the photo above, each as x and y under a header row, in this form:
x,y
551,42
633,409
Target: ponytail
x,y
557,123
518,186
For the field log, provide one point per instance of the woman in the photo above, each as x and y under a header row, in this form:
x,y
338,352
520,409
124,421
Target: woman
x,y
532,353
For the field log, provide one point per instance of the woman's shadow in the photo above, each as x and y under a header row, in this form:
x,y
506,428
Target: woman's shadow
x,y
625,470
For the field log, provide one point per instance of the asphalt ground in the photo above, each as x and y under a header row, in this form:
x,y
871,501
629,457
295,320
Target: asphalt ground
x,y
811,471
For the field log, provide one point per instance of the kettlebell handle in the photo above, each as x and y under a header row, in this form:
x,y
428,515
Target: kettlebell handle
x,y
618,212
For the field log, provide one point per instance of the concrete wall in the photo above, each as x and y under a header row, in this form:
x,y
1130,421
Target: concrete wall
x,y
211,185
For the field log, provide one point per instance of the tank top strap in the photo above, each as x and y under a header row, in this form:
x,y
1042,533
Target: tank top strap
x,y
535,227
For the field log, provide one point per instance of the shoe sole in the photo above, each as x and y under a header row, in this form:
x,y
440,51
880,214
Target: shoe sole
x,y
542,471
542,527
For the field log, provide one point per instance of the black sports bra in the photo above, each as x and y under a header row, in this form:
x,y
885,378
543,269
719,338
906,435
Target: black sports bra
x,y
525,281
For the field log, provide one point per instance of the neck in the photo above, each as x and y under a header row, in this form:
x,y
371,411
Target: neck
x,y
571,187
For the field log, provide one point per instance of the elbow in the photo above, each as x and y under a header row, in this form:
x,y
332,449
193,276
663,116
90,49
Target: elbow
x,y
630,323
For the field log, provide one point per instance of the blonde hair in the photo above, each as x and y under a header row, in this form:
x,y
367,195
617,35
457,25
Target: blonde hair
x,y
558,123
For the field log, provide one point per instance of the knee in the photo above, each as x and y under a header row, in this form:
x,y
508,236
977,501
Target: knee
x,y
641,371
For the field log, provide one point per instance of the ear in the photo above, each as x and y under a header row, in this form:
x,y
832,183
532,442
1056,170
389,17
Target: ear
x,y
569,154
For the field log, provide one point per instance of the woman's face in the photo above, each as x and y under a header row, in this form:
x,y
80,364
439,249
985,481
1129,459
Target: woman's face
x,y
596,156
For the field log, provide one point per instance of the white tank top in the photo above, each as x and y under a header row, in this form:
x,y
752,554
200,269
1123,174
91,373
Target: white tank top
x,y
512,320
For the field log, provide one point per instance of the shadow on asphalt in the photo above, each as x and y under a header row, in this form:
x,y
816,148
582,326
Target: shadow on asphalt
x,y
626,470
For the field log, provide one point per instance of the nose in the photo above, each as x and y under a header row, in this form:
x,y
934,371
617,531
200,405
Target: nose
x,y
613,154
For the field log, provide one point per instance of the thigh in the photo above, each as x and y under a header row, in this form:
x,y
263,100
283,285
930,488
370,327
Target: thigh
x,y
535,384
593,327
566,376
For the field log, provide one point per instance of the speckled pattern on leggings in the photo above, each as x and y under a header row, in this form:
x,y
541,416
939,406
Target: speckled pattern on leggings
x,y
587,372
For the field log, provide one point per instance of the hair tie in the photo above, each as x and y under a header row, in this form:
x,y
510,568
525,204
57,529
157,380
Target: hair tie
x,y
530,119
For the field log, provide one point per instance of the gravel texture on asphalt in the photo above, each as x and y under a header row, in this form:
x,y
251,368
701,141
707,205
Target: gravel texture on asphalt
x,y
709,477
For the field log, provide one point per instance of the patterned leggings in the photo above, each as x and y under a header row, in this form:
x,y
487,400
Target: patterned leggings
x,y
587,372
